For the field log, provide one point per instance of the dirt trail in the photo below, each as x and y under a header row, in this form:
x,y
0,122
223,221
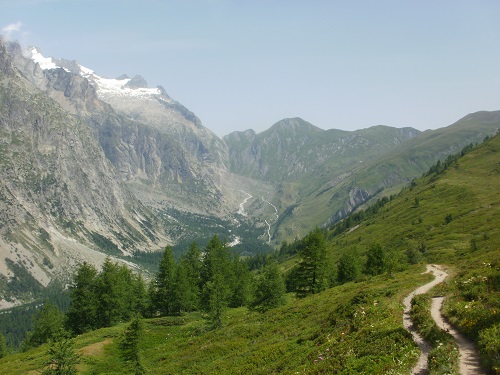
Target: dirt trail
x,y
469,358
440,275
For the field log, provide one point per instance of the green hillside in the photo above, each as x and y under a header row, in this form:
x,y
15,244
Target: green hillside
x,y
321,176
451,217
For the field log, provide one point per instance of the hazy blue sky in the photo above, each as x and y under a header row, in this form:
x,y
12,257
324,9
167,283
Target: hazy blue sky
x,y
249,63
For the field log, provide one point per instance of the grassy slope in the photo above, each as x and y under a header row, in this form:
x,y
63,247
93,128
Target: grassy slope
x,y
355,327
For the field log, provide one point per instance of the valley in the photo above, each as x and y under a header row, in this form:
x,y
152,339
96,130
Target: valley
x,y
297,249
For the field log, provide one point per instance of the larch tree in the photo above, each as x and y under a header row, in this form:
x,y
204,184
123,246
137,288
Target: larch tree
x,y
311,273
215,277
376,260
47,324
81,316
270,289
348,268
163,295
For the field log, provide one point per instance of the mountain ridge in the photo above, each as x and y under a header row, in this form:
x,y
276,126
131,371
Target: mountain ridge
x,y
160,174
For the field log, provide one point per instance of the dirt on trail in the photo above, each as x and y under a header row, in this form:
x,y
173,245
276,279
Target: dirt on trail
x,y
469,358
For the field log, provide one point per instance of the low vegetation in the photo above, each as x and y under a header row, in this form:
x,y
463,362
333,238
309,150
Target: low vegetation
x,y
444,356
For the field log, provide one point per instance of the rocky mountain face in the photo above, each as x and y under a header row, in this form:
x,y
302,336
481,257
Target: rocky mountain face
x,y
92,166
60,197
153,141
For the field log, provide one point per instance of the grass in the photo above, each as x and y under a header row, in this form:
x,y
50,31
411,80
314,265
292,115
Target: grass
x,y
469,243
352,328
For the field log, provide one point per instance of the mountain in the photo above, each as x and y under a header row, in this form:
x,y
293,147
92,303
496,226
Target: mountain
x,y
61,198
320,176
294,148
152,140
95,166
448,217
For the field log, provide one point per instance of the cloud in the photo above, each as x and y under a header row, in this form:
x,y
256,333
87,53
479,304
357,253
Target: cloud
x,y
12,28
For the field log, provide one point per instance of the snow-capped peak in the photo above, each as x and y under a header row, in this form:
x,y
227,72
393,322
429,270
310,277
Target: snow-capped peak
x,y
106,87
44,62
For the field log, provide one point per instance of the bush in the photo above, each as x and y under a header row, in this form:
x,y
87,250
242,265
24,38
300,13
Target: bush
x,y
489,347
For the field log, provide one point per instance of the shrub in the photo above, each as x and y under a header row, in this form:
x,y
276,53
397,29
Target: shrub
x,y
489,347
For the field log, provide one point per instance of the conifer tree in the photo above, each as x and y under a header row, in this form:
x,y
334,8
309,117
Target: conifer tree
x,y
140,300
215,278
111,294
62,357
311,273
270,290
129,345
215,260
376,262
348,268
241,284
216,294
163,295
191,265
180,290
3,346
47,323
81,316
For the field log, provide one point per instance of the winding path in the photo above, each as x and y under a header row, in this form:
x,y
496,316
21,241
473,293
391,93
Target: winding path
x,y
421,366
469,359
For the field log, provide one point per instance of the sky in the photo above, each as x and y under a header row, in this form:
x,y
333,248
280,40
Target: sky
x,y
246,64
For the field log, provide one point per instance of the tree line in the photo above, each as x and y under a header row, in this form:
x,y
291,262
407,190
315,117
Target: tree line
x,y
208,279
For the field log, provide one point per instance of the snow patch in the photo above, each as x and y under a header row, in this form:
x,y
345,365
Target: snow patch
x,y
44,62
86,71
105,86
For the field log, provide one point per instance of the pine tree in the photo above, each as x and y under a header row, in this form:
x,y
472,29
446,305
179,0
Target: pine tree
x,y
163,295
348,268
311,273
81,315
47,323
129,344
62,357
270,290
